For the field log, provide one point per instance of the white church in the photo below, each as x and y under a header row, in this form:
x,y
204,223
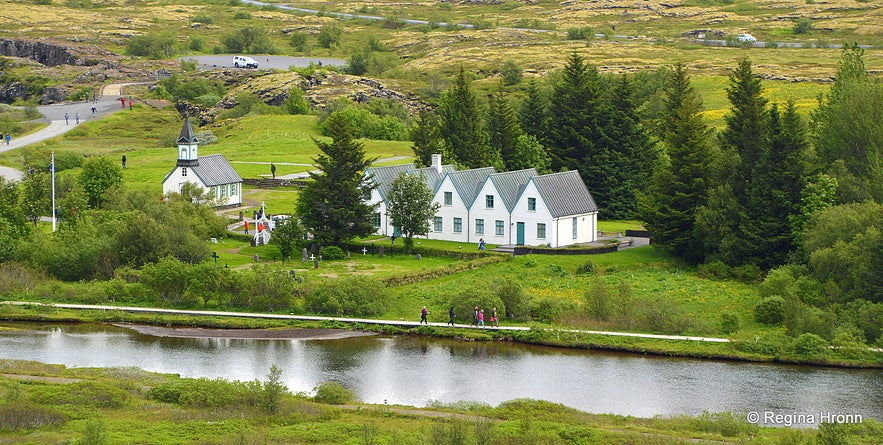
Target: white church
x,y
211,173
516,208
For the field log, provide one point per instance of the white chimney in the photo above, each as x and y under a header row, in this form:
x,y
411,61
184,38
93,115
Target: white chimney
x,y
436,163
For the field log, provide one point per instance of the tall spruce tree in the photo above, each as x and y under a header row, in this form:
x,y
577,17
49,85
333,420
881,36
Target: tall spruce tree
x,y
502,128
632,152
533,112
680,186
573,117
426,139
773,191
745,135
848,129
332,207
462,127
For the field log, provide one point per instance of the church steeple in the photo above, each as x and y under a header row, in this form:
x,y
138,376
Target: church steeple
x,y
188,146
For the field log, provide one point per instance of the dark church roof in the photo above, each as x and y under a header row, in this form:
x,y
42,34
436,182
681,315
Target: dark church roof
x,y
214,170
187,136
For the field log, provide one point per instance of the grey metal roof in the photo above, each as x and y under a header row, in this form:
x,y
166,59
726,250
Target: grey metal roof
x,y
187,135
468,182
215,170
565,193
383,176
510,184
433,176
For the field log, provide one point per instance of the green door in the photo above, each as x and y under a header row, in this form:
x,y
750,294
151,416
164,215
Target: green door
x,y
519,234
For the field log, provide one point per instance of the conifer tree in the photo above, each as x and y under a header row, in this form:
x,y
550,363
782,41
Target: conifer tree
x,y
332,206
533,113
461,126
502,128
573,116
680,185
848,129
426,139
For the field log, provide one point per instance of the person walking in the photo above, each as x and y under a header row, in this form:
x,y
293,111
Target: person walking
x,y
67,118
130,103
94,110
122,102
423,313
77,118
8,138
494,320
273,170
246,227
124,161
481,318
481,244
451,316
475,316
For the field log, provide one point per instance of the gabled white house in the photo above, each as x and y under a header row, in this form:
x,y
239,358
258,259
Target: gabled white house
x,y
555,209
490,214
518,207
456,194
212,173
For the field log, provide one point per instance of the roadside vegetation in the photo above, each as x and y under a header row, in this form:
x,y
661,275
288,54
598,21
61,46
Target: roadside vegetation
x,y
50,404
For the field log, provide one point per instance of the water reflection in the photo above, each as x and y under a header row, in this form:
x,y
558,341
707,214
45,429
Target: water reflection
x,y
415,370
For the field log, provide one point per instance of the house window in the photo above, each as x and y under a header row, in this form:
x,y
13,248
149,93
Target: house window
x,y
184,153
479,227
224,191
489,201
575,225
234,189
531,204
437,224
376,220
458,225
183,171
213,191
449,198
499,227
541,231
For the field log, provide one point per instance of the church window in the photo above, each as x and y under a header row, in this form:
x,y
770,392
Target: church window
x,y
183,171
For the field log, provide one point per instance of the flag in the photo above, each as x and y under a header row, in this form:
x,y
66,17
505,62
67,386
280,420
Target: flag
x,y
52,166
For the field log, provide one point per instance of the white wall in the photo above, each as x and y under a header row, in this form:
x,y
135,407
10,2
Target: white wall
x,y
457,209
480,210
531,218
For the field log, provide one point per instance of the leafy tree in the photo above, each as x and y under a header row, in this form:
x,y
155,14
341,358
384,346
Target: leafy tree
x,y
461,126
847,131
529,153
140,240
300,41
273,390
36,200
169,278
410,206
819,194
502,128
332,206
99,175
426,138
512,73
533,112
286,236
153,45
296,103
249,39
358,63
679,186
330,34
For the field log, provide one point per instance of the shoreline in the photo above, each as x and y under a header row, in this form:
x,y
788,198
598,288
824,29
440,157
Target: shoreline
x,y
244,334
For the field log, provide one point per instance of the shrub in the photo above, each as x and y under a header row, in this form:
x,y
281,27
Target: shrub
x,y
586,268
729,322
300,41
549,309
154,46
332,393
802,25
512,73
357,296
100,395
810,345
583,33
515,300
726,424
771,343
22,416
241,15
770,310
203,18
465,301
332,253
330,34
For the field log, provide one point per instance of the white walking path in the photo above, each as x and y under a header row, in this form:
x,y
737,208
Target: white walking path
x,y
355,320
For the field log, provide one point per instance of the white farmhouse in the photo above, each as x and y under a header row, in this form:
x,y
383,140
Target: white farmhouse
x,y
518,207
211,173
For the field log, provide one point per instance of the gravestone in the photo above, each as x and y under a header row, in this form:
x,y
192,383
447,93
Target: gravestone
x,y
315,264
419,257
303,257
256,258
380,252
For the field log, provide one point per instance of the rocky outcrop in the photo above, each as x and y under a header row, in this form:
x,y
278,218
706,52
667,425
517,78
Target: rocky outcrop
x,y
52,53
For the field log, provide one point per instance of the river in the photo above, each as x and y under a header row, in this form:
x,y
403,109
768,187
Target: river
x,y
416,371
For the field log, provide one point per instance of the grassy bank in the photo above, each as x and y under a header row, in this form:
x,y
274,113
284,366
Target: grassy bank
x,y
52,404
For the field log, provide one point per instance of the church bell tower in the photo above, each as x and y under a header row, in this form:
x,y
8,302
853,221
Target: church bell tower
x,y
188,146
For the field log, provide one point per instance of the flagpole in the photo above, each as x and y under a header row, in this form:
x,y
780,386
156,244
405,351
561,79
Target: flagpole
x,y
52,170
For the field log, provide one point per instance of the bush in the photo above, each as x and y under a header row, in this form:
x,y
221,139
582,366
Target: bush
x,y
332,253
771,343
770,310
241,15
330,34
549,309
802,25
154,46
203,18
99,395
810,345
584,33
515,300
586,268
332,393
23,416
726,424
357,296
729,322
512,73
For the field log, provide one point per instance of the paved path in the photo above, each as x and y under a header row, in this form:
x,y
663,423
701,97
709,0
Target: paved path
x,y
108,102
404,323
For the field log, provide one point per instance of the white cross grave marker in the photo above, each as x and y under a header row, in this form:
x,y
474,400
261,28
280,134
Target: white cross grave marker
x,y
364,250
312,258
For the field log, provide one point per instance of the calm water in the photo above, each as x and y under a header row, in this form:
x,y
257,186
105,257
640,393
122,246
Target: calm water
x,y
415,371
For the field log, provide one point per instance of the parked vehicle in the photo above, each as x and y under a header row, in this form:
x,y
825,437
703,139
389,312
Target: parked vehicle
x,y
244,62
746,38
